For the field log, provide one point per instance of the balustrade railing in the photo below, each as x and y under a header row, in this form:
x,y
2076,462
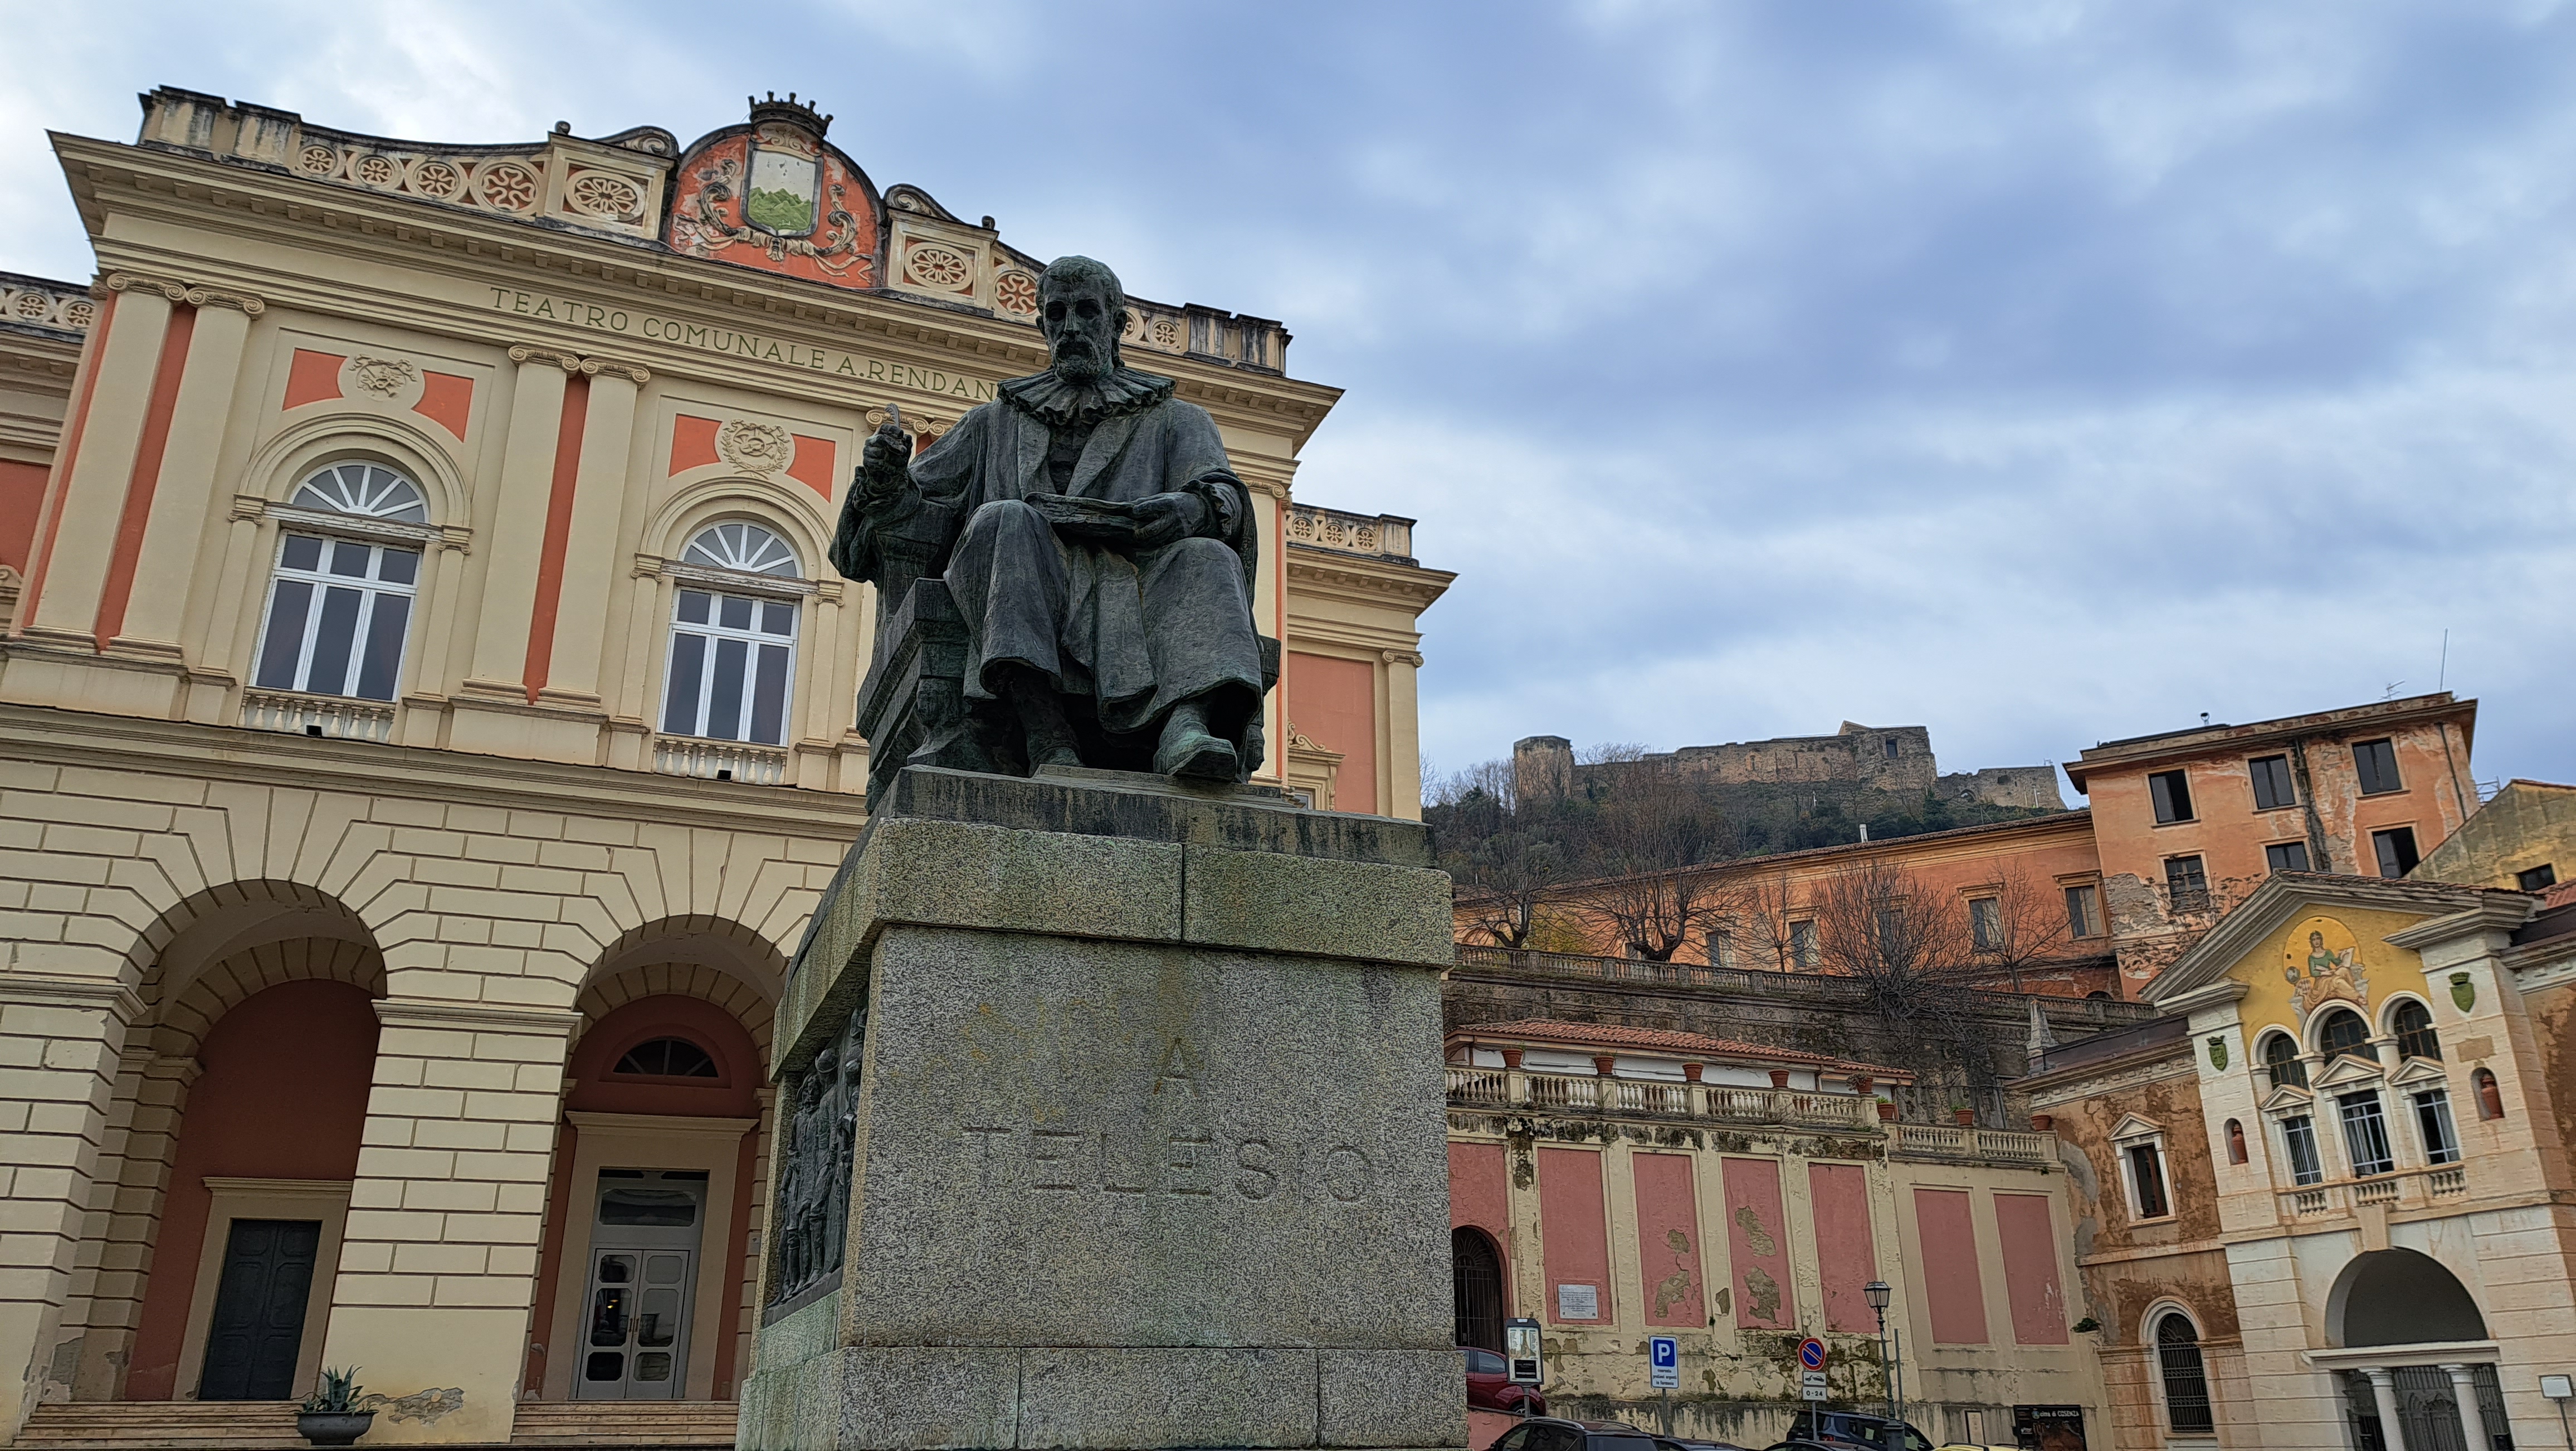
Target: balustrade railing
x,y
1505,1088
2407,1188
718,760
318,715
1384,535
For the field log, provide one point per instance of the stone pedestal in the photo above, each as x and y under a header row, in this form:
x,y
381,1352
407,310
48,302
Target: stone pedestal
x,y
1124,1106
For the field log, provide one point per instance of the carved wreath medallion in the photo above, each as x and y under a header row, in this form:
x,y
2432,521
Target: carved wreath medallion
x,y
384,377
763,448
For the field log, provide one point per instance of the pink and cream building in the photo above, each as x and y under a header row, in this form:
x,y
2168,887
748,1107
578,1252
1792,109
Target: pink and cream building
x,y
425,717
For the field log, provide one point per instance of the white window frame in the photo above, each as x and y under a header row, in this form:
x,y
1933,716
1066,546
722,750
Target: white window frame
x,y
2450,1124
753,640
2316,1150
2135,1133
370,589
2343,1122
2155,1317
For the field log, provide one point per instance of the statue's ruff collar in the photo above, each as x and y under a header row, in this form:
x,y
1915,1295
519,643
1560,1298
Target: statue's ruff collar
x,y
1053,401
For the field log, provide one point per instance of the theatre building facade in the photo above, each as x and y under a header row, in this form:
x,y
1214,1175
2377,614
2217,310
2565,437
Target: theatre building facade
x,y
425,727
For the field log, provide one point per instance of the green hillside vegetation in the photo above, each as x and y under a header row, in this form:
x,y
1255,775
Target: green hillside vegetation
x,y
779,210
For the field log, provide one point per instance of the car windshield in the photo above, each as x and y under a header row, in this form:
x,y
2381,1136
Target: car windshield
x,y
1620,1441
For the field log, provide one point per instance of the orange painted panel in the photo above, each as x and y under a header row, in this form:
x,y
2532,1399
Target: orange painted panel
x,y
813,465
1950,1279
1758,1236
2030,1269
1668,1241
693,443
1845,1258
22,498
284,1096
1574,1234
118,588
558,536
312,377
1333,702
446,400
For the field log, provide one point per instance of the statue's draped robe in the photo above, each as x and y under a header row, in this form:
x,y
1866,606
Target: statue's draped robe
x,y
1134,634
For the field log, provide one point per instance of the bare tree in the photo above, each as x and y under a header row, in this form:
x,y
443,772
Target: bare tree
x,y
1505,868
1656,833
2022,925
1912,947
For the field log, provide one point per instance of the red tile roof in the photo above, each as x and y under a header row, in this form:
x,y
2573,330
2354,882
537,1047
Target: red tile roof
x,y
1553,1033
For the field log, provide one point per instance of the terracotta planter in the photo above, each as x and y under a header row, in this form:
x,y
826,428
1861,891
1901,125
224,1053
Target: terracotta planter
x,y
1861,1083
1604,1064
1966,1118
1779,1078
2041,1123
333,1428
1886,1112
1691,1071
1512,1058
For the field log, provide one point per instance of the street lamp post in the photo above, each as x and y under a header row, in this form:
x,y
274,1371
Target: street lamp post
x,y
1878,1294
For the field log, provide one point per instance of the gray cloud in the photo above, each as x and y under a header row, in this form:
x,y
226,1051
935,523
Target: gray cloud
x,y
2040,372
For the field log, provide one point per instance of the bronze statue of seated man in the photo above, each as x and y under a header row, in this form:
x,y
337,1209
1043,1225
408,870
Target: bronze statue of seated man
x,y
1098,546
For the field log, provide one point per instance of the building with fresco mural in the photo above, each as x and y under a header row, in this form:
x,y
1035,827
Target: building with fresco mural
x,y
425,726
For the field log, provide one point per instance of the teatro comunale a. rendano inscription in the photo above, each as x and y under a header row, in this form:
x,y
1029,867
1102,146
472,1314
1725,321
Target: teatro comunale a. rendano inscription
x,y
737,343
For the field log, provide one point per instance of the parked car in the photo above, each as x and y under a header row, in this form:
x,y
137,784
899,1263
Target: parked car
x,y
1847,1431
1682,1443
1490,1388
1547,1433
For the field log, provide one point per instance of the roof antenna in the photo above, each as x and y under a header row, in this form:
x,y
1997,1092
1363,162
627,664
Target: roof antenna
x,y
2204,720
2391,692
2442,676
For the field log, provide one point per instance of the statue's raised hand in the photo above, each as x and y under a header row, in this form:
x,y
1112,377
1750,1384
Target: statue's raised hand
x,y
884,462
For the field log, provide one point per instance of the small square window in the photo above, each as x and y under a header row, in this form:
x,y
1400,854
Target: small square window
x,y
2186,884
2376,763
2172,793
2272,782
2286,856
2395,849
2537,879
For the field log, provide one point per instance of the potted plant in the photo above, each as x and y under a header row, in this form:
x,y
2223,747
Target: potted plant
x,y
330,1416
1887,1110
1963,1115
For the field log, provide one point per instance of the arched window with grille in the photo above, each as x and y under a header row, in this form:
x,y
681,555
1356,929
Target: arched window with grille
x,y
2281,1061
1476,1268
339,609
733,654
667,1058
2415,1035
2186,1377
2345,1032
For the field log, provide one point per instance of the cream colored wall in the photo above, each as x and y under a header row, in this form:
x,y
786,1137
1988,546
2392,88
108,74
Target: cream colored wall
x,y
492,895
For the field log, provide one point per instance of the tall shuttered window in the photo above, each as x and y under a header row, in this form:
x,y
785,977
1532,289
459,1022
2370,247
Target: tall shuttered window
x,y
733,656
339,609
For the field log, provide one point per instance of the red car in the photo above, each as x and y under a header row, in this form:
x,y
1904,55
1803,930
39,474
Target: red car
x,y
1490,1388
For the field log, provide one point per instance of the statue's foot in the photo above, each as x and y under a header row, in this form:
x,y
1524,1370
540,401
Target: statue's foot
x,y
1197,756
1053,756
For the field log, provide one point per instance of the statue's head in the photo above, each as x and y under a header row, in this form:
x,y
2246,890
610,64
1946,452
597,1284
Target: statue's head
x,y
1081,309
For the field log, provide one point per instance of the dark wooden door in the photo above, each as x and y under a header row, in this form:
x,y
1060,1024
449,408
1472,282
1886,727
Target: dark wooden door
x,y
257,1332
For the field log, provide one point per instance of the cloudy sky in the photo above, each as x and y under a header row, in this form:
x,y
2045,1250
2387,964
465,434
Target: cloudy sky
x,y
2038,372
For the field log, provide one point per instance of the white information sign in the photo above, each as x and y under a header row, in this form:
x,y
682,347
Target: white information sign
x,y
1578,1302
1664,1359
1811,1385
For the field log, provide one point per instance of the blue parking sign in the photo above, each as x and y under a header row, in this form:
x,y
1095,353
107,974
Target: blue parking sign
x,y
1664,1358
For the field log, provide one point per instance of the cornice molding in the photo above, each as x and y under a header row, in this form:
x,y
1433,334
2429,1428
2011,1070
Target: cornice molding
x,y
474,1017
191,294
56,991
164,747
201,193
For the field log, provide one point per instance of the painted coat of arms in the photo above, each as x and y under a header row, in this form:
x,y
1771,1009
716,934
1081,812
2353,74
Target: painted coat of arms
x,y
783,194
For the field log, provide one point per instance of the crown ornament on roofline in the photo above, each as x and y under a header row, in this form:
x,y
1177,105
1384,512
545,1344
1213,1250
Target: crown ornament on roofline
x,y
801,113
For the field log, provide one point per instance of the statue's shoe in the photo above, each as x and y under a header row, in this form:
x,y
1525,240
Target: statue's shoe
x,y
1198,756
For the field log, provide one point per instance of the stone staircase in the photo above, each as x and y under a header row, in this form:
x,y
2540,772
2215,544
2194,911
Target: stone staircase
x,y
624,1424
270,1425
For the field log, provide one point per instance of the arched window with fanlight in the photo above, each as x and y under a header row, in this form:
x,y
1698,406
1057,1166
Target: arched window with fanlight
x,y
2416,1037
2345,1032
733,651
2281,1061
667,1058
339,607
2185,1375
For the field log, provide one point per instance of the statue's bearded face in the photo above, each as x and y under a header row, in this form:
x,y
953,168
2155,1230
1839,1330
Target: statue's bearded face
x,y
1081,325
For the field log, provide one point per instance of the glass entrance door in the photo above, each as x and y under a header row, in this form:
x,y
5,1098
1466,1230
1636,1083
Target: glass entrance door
x,y
643,1277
